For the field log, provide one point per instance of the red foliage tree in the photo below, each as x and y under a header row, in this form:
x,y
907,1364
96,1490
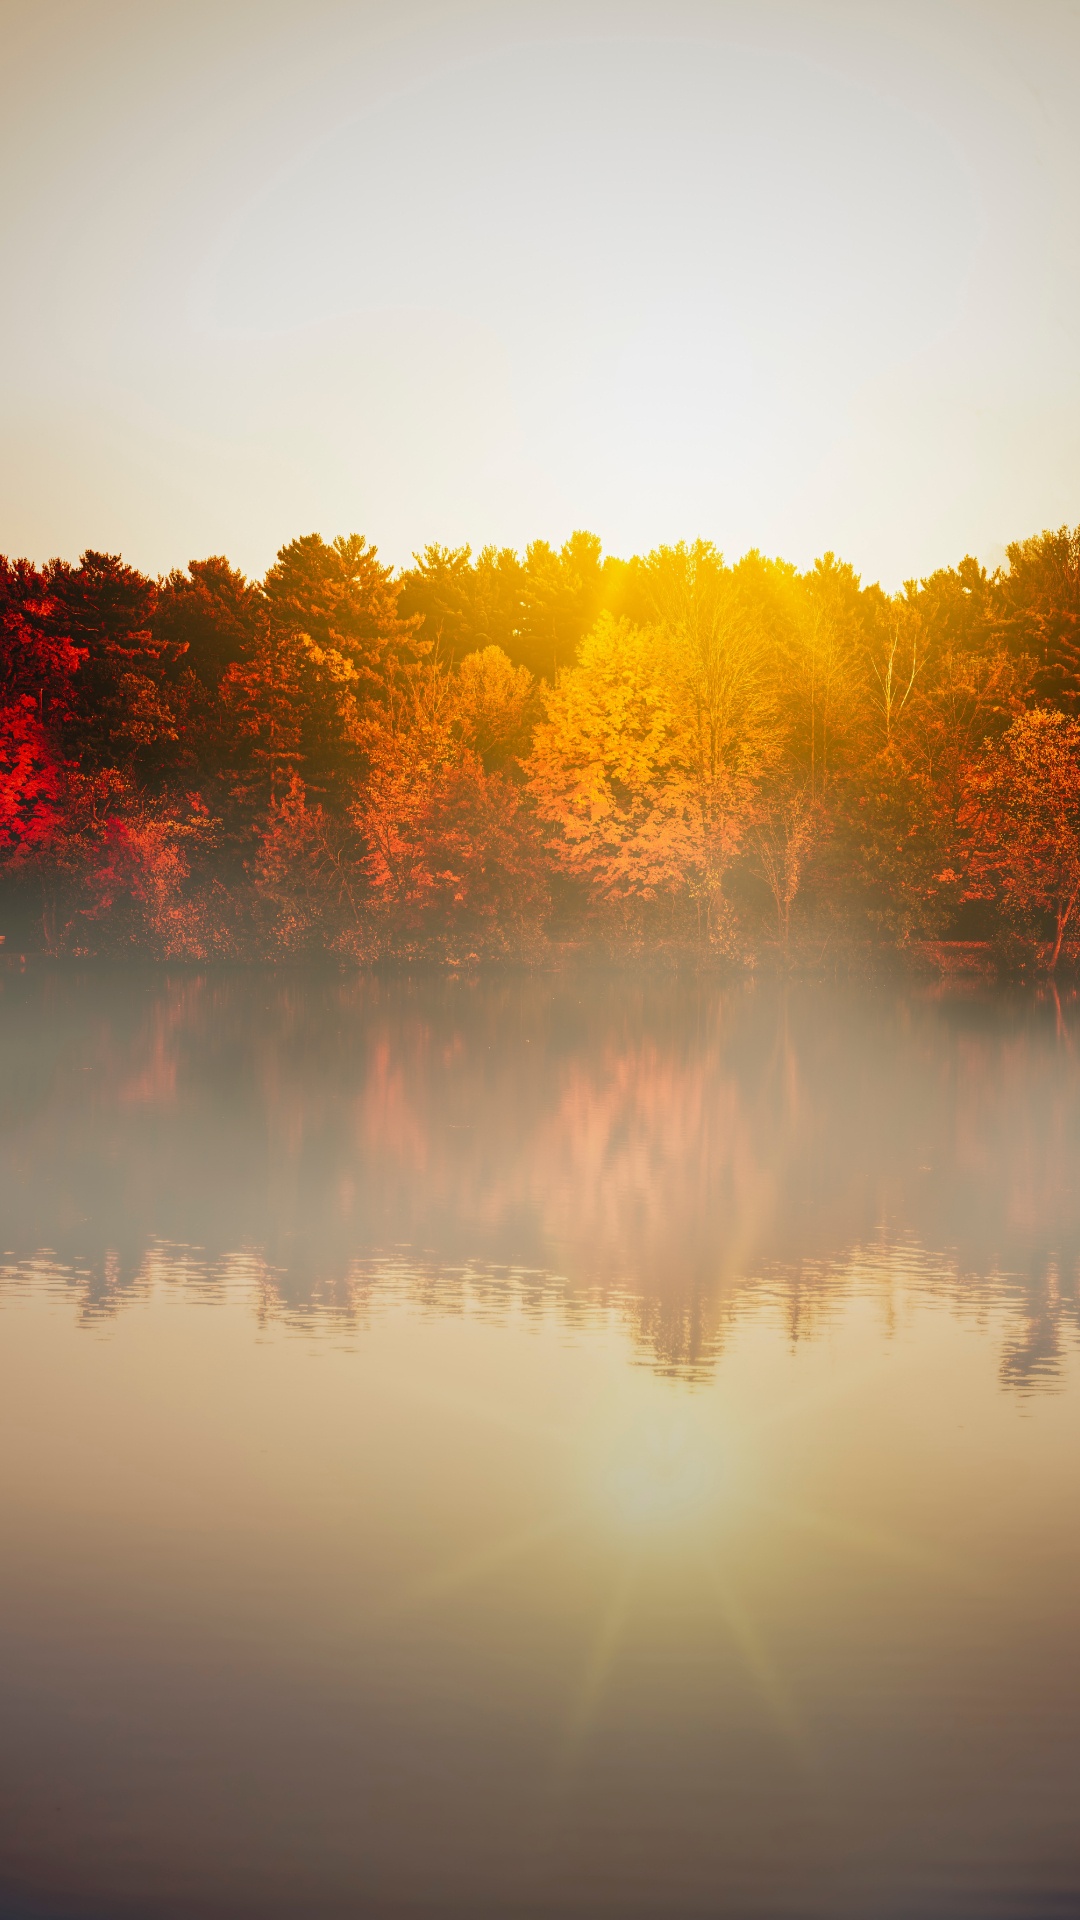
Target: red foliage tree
x,y
31,783
38,666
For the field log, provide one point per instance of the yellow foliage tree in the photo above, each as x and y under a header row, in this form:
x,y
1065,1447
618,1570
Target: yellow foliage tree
x,y
648,755
607,765
491,700
719,647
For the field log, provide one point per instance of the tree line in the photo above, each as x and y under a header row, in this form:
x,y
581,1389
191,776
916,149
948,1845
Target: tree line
x,y
495,755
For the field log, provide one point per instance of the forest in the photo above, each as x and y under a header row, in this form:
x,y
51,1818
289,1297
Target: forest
x,y
493,757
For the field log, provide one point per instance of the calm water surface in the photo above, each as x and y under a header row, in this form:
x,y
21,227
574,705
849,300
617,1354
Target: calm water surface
x,y
547,1448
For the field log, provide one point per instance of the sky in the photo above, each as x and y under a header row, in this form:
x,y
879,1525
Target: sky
x,y
788,276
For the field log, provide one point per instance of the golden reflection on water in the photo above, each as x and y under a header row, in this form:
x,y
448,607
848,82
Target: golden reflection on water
x,y
675,1148
637,1479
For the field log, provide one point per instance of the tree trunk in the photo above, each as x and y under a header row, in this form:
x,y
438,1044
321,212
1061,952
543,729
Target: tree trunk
x,y
1064,915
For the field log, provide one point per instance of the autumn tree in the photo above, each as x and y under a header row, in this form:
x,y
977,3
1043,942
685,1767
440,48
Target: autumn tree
x,y
119,862
822,645
537,609
31,785
341,600
494,702
1038,611
452,853
210,617
934,684
308,880
212,621
895,656
123,713
261,709
958,607
783,839
653,746
39,660
341,759
463,605
1022,822
327,650
719,668
608,767
561,597
39,666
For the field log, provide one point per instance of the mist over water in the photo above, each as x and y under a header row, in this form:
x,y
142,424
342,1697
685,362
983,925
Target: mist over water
x,y
674,1152
577,1445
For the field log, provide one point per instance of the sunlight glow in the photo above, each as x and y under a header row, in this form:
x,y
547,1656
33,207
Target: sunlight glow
x,y
661,1474
736,273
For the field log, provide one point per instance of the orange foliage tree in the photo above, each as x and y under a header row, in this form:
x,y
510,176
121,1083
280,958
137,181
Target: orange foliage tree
x,y
451,851
1022,820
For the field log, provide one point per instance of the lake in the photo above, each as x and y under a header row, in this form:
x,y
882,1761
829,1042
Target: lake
x,y
551,1446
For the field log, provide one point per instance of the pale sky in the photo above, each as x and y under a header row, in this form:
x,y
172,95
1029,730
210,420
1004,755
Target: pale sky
x,y
793,276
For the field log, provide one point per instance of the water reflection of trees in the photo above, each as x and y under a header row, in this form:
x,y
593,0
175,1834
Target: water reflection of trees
x,y
669,1152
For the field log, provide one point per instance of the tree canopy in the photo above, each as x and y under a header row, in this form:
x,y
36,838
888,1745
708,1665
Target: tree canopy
x,y
504,753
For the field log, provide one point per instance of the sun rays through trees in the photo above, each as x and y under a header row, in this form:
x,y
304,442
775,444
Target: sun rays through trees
x,y
501,755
